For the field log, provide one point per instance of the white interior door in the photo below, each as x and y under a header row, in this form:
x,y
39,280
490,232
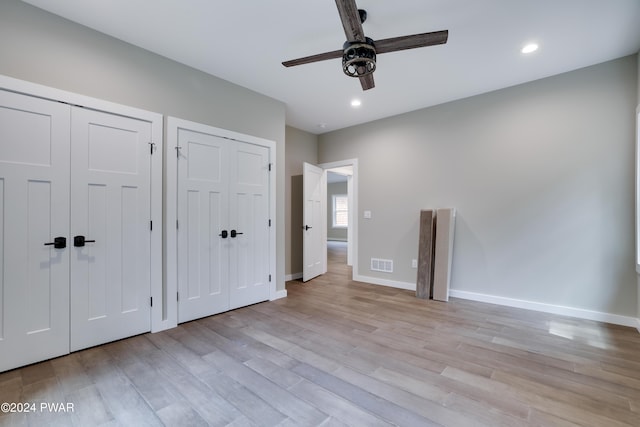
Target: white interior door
x,y
34,209
203,239
314,240
248,224
110,207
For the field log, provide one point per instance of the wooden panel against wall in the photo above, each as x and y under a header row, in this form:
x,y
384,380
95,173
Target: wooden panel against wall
x,y
425,254
443,252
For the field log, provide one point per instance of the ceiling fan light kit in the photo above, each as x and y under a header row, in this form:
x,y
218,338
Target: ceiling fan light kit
x,y
359,52
359,59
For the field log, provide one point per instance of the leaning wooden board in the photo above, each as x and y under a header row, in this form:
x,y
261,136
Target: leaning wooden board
x,y
443,253
425,254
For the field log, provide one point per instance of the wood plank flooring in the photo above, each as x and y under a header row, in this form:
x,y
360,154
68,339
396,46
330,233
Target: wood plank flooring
x,y
337,352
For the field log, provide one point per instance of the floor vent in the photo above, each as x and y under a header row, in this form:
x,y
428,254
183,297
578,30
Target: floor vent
x,y
384,265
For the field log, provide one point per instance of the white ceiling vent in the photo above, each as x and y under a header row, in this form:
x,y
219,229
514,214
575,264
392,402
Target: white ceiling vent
x,y
384,265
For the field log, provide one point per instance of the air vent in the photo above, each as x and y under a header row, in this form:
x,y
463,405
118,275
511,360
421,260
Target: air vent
x,y
384,265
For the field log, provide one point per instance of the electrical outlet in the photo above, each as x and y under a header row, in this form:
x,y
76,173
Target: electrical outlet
x,y
414,263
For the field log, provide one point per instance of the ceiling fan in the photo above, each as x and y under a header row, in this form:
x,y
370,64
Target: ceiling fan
x,y
359,52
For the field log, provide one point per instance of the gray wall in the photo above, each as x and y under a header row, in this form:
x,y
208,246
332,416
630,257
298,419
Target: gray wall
x,y
301,147
335,233
40,47
637,213
542,176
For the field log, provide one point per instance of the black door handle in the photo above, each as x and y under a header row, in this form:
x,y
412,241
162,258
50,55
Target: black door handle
x,y
223,234
306,227
58,243
234,233
79,241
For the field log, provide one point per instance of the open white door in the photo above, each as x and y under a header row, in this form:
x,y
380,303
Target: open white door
x,y
314,239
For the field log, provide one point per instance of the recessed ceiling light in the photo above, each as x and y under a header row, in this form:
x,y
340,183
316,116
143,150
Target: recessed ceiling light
x,y
531,47
356,103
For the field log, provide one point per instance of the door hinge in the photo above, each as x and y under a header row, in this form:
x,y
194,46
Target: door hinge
x,y
151,225
269,223
178,151
269,167
177,296
151,301
269,277
152,147
177,224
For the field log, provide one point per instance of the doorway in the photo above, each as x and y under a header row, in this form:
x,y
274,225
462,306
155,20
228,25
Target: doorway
x,y
339,209
348,168
337,259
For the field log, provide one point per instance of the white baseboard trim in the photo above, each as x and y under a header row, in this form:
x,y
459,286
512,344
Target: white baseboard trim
x,y
385,282
294,276
279,294
579,313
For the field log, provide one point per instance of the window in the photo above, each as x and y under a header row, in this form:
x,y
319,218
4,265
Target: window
x,y
340,211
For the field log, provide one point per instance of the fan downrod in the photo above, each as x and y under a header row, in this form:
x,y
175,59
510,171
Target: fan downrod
x,y
363,15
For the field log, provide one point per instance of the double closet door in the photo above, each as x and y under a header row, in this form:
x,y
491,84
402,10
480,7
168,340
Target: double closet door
x,y
223,224
74,228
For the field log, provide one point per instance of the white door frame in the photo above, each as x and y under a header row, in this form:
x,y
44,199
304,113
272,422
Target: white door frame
x,y
353,208
45,92
158,321
170,285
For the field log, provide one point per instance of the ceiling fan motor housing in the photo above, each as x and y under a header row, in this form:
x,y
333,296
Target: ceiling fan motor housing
x,y
359,58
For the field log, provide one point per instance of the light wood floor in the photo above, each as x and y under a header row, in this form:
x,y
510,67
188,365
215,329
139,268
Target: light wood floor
x,y
337,352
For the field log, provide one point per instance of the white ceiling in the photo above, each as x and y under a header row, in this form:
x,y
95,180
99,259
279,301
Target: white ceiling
x,y
245,42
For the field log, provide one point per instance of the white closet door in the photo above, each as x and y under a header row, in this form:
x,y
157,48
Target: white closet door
x,y
203,239
34,209
110,207
249,218
223,222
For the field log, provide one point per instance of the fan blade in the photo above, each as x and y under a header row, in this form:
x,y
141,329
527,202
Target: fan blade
x,y
314,58
411,42
350,20
366,82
